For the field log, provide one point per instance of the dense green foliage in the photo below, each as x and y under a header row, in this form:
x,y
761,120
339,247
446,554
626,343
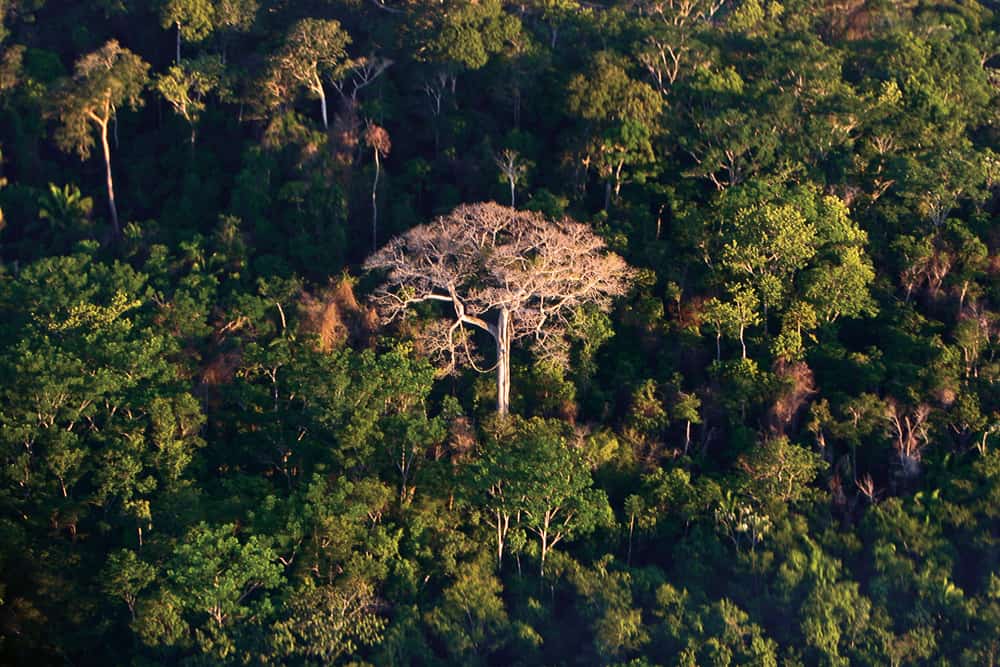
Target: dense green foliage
x,y
781,447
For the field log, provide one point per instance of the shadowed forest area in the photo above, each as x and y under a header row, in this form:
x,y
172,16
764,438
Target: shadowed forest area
x,y
485,332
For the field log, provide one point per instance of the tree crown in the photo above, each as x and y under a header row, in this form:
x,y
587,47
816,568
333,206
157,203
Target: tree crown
x,y
487,258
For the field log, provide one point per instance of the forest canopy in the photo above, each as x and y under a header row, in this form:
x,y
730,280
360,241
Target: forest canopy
x,y
391,332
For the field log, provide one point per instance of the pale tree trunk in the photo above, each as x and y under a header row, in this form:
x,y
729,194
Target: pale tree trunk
x,y
318,87
178,43
545,545
631,529
115,228
503,524
503,362
375,204
511,180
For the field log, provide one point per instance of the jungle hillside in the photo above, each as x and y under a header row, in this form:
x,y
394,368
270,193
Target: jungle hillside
x,y
500,332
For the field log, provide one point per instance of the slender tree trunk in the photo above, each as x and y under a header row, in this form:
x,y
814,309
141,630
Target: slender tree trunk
x,y
322,105
687,436
631,530
718,346
503,524
375,204
178,43
545,552
511,192
503,362
743,343
115,228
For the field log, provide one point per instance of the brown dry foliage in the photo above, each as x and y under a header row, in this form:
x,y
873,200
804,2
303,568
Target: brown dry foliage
x,y
378,139
221,369
334,316
799,387
345,135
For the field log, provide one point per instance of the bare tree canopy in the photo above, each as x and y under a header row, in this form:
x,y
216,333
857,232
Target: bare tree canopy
x,y
513,274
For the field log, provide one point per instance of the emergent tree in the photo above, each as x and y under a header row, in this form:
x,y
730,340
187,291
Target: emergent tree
x,y
314,50
103,81
513,274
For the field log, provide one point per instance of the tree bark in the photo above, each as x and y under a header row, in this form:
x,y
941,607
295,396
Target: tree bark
x,y
631,529
545,543
322,106
115,228
375,204
503,362
503,524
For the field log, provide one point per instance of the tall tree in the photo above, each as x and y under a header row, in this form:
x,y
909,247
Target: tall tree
x,y
378,140
512,274
186,86
314,51
103,81
194,20
621,113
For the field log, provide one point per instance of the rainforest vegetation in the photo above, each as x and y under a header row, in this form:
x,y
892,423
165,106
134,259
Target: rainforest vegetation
x,y
499,332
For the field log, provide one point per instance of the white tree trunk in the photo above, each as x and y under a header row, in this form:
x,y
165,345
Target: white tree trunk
x,y
322,105
115,228
503,362
375,204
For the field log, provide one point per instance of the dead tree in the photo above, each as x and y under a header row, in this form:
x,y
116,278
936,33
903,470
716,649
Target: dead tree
x,y
908,428
509,163
512,274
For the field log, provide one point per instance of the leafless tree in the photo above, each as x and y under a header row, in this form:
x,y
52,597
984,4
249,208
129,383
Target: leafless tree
x,y
908,427
667,47
512,167
512,274
436,88
866,485
361,73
